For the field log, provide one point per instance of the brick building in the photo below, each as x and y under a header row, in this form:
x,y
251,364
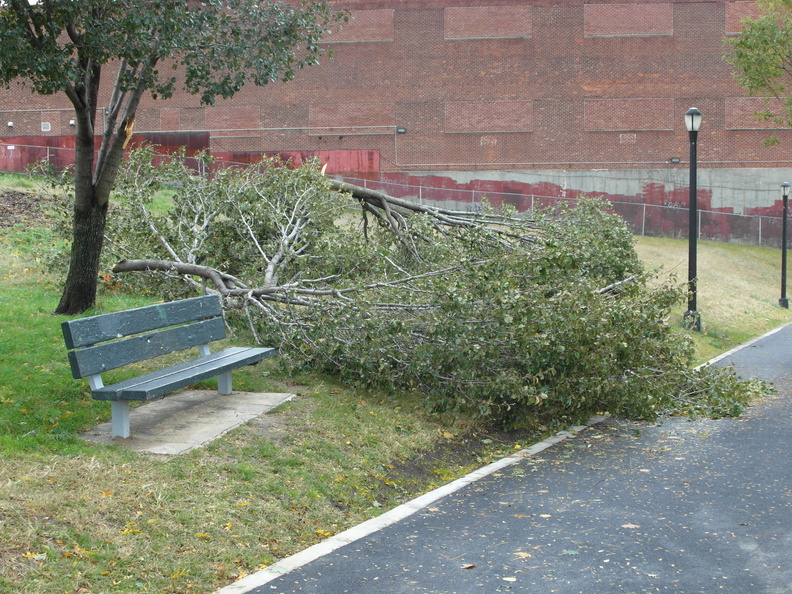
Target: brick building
x,y
545,91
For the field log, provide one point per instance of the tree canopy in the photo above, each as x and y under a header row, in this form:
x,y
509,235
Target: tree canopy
x,y
762,58
210,48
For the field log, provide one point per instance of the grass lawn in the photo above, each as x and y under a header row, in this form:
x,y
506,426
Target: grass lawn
x,y
737,289
80,517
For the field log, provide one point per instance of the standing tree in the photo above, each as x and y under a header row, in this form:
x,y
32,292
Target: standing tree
x,y
210,48
762,58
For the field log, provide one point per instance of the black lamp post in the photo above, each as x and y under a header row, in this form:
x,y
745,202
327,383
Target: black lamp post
x,y
692,317
784,302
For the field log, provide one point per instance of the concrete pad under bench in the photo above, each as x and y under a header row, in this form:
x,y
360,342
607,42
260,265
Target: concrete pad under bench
x,y
186,420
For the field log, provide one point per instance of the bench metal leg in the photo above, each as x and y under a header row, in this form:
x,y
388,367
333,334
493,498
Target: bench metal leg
x,y
224,383
119,410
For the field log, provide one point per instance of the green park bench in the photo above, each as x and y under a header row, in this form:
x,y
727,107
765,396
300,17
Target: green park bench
x,y
100,343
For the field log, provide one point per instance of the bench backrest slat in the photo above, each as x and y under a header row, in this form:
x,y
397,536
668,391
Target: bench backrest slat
x,y
96,329
111,355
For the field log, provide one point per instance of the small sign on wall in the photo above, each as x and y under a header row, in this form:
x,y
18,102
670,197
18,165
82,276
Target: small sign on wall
x,y
46,126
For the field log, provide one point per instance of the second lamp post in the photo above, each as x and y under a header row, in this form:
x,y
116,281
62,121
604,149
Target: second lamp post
x,y
692,317
784,302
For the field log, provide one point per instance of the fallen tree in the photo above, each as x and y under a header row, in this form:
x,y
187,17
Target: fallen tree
x,y
514,318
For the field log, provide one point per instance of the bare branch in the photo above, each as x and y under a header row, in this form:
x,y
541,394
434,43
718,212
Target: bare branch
x,y
229,285
374,201
613,288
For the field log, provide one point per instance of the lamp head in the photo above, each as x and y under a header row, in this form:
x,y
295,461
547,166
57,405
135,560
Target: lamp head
x,y
785,189
692,119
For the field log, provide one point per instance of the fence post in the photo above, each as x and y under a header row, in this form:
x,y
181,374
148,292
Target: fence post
x,y
643,221
760,230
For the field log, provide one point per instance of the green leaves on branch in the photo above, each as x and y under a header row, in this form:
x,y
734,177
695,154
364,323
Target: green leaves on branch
x,y
213,47
762,58
472,317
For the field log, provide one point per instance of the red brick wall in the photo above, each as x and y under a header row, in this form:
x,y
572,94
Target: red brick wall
x,y
350,119
629,114
736,12
366,25
740,113
615,20
487,22
554,84
488,116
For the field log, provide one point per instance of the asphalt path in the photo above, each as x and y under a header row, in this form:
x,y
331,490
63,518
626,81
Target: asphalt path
x,y
679,506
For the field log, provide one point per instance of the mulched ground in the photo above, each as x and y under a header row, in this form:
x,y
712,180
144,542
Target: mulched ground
x,y
17,208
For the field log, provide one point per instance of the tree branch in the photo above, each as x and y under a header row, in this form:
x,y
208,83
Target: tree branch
x,y
374,201
230,286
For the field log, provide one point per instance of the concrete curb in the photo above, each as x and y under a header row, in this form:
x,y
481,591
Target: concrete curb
x,y
742,346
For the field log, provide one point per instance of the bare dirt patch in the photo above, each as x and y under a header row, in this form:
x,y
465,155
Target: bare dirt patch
x,y
464,452
18,208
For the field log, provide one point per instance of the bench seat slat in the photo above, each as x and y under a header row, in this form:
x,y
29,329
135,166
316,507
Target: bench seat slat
x,y
111,355
158,383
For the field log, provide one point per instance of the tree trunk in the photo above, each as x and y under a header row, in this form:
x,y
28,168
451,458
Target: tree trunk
x,y
90,217
79,291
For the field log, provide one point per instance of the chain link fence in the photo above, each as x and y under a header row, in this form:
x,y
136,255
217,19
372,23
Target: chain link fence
x,y
655,220
643,216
